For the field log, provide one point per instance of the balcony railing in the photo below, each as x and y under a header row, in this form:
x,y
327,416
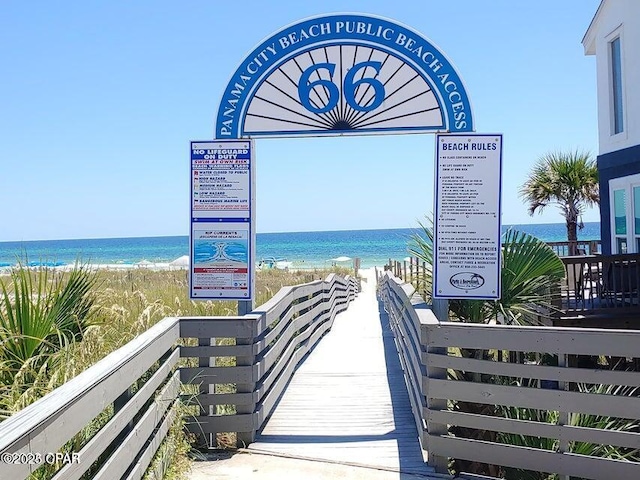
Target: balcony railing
x,y
601,284
581,247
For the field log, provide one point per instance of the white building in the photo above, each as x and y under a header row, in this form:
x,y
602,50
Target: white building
x,y
614,38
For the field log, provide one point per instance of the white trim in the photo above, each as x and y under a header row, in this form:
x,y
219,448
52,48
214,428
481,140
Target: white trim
x,y
617,33
589,40
627,184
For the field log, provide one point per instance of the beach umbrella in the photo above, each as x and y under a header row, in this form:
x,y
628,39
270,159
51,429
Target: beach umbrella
x,y
182,261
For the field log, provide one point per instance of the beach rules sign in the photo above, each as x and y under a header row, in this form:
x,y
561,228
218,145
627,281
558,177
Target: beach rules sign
x,y
466,247
343,74
222,242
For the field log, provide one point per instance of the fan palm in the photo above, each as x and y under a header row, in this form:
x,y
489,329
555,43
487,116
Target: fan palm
x,y
531,272
40,313
569,180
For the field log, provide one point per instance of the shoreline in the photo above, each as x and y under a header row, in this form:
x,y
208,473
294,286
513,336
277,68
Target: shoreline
x,y
160,267
301,251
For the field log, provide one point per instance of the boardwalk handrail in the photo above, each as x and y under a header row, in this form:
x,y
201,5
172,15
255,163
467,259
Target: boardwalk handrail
x,y
268,344
516,385
141,419
407,314
140,382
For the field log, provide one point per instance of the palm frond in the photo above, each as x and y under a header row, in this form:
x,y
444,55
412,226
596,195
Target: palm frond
x,y
41,312
531,273
568,180
421,247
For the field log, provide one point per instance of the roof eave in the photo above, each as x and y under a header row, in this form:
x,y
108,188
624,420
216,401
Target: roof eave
x,y
589,39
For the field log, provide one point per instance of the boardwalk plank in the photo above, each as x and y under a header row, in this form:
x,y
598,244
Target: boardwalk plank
x,y
348,400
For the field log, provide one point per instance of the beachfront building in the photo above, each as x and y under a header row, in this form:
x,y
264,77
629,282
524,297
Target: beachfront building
x,y
614,38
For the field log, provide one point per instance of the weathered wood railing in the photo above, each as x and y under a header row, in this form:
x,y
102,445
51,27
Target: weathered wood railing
x,y
142,413
408,313
137,386
591,394
268,344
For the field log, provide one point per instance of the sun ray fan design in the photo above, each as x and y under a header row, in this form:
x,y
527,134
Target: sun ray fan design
x,y
342,89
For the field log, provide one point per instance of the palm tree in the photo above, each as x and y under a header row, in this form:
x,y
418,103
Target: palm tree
x,y
567,179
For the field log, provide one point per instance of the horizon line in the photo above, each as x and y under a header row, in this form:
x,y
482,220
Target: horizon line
x,y
264,233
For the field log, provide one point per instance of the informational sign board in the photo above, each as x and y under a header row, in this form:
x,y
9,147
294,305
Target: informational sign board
x,y
221,179
343,74
221,267
222,240
466,246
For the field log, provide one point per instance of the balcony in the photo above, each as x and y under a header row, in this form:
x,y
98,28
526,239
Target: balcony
x,y
600,291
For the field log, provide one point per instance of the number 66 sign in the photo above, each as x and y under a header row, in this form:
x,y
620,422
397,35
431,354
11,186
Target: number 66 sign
x,y
350,87
343,74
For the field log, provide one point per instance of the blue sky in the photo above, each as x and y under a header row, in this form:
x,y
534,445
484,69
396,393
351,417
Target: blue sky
x,y
99,100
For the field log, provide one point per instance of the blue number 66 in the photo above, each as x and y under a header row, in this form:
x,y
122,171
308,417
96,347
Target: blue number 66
x,y
349,87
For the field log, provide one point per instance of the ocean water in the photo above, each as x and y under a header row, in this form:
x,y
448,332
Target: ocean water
x,y
303,249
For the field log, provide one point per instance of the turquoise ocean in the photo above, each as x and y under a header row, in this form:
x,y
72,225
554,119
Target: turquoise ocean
x,y
303,249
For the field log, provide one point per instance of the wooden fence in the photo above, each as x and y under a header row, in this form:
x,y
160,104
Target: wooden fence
x,y
572,406
143,410
138,386
267,345
414,271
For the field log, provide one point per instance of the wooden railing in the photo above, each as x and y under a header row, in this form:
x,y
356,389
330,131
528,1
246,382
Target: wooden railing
x,y
443,385
407,313
580,247
142,414
267,344
602,285
137,386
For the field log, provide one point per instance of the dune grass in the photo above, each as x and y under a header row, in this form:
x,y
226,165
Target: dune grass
x,y
113,308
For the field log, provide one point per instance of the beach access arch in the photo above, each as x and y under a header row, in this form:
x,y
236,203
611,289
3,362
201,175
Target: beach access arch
x,y
330,75
343,74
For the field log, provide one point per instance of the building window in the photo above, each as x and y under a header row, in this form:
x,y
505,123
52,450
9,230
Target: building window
x,y
616,85
624,200
620,220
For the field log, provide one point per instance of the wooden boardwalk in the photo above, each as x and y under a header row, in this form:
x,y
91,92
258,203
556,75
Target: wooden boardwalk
x,y
348,401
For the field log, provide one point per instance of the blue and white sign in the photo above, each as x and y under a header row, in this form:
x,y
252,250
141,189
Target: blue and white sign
x,y
222,239
344,74
221,179
466,247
